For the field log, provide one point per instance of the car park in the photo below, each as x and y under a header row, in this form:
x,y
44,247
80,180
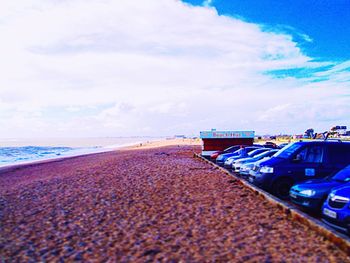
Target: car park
x,y
311,194
231,149
298,162
220,160
253,157
242,153
336,209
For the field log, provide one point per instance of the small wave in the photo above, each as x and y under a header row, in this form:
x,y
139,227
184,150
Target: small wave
x,y
13,155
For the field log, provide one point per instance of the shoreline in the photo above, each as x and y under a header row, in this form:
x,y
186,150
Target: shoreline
x,y
131,146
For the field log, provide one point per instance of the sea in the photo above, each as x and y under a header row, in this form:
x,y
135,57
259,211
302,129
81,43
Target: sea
x,y
21,151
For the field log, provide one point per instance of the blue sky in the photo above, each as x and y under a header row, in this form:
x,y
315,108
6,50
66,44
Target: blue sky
x,y
161,67
326,22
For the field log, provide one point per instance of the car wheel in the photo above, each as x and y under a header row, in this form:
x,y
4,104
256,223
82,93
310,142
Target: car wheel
x,y
281,188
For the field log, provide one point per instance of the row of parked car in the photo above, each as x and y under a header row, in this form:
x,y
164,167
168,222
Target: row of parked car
x,y
314,175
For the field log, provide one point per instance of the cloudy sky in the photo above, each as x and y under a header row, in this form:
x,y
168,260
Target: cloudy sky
x,y
77,68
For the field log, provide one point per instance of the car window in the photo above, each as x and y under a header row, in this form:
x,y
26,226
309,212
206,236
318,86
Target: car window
x,y
256,151
238,152
288,151
232,149
264,154
339,153
311,154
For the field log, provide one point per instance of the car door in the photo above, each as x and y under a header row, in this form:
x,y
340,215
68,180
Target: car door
x,y
337,157
305,163
311,158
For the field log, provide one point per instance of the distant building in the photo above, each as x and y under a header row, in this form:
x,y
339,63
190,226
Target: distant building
x,y
219,140
338,130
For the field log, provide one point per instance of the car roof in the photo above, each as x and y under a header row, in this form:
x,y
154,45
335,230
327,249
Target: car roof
x,y
334,142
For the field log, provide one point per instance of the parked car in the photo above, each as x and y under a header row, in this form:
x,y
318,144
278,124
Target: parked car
x,y
246,168
336,209
311,194
220,160
231,149
253,157
271,145
242,153
298,162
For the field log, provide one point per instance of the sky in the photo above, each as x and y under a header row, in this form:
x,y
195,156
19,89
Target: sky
x,y
95,68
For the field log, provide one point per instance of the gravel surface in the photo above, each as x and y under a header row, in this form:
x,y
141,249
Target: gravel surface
x,y
145,205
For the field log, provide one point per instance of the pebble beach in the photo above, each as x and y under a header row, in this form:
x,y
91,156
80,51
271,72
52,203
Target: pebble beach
x,y
151,203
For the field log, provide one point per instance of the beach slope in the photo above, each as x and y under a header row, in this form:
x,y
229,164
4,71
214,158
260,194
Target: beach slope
x,y
145,204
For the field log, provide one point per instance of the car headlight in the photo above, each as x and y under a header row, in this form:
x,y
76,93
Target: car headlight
x,y
339,198
266,169
308,192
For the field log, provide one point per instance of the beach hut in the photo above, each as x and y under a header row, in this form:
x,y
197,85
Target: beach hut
x,y
219,140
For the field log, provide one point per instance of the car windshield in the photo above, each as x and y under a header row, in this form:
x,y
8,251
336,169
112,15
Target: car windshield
x,y
238,152
232,148
263,154
252,153
288,150
255,152
343,175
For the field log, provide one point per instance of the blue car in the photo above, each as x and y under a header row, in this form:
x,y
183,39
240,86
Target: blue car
x,y
311,194
220,160
336,209
298,162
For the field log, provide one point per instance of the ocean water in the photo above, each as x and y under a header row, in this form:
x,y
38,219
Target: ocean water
x,y
16,152
12,155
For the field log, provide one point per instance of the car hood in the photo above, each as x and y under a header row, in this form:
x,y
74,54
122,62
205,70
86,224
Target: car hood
x,y
321,186
343,190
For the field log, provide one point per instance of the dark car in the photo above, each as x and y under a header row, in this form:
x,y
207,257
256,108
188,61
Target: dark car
x,y
220,160
231,149
336,209
311,194
300,161
271,145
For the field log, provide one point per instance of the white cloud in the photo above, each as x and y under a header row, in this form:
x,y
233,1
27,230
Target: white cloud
x,y
207,3
126,67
